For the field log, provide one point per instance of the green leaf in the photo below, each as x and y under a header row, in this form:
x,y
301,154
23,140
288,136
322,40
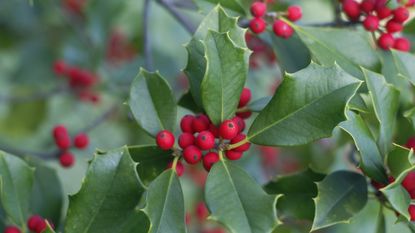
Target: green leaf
x,y
136,222
306,107
240,6
385,99
259,104
16,180
341,195
371,158
298,192
292,54
47,195
187,101
237,201
152,161
404,64
152,102
216,20
410,115
348,48
226,72
109,195
165,204
358,104
397,195
399,160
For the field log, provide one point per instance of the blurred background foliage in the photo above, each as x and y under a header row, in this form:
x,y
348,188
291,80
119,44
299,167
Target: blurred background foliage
x,y
106,37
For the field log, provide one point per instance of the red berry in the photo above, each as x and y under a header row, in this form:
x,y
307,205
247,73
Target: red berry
x,y
411,211
239,138
409,182
258,9
383,12
214,130
367,6
244,115
400,14
257,25
402,44
352,9
41,226
282,29
60,131
205,140
179,167
186,139
165,140
371,23
245,97
410,144
186,123
209,159
201,211
35,222
393,26
67,159
386,41
61,136
11,229
200,123
294,13
192,154
228,129
81,141
60,68
239,122
233,155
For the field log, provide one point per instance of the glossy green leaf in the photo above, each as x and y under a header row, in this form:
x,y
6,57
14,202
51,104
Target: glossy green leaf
x,y
371,158
385,99
152,161
240,6
226,72
341,195
348,48
399,160
298,192
137,222
404,64
410,115
216,20
187,101
237,201
109,195
152,102
306,107
259,104
16,180
397,195
46,199
165,204
358,104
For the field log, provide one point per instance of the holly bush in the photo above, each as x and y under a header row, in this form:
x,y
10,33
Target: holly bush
x,y
274,117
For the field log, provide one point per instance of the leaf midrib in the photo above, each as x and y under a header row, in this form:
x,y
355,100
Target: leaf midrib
x,y
300,109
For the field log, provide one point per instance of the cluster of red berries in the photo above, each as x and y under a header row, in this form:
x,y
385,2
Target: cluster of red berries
x,y
281,29
74,6
379,17
199,134
35,224
63,142
80,80
119,48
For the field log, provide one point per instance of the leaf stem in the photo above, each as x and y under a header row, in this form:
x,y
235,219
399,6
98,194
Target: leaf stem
x,y
243,109
238,144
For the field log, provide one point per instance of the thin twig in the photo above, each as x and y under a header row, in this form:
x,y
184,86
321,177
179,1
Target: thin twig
x,y
185,4
100,119
147,41
185,22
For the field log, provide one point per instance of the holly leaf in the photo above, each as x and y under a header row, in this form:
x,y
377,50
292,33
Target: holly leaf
x,y
152,161
240,6
16,180
46,199
216,20
108,197
298,192
358,104
371,158
165,204
385,99
152,103
410,115
187,101
399,160
226,72
306,107
348,48
237,201
341,195
404,65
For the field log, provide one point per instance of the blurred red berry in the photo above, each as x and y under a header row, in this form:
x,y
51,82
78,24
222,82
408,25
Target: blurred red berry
x,y
257,25
179,167
186,123
258,9
192,154
239,122
209,159
205,140
228,129
383,12
367,6
411,211
201,211
245,97
371,23
186,139
165,140
66,159
402,44
294,13
60,67
244,115
243,147
200,123
393,26
11,229
81,141
233,155
352,9
400,14
386,41
282,29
